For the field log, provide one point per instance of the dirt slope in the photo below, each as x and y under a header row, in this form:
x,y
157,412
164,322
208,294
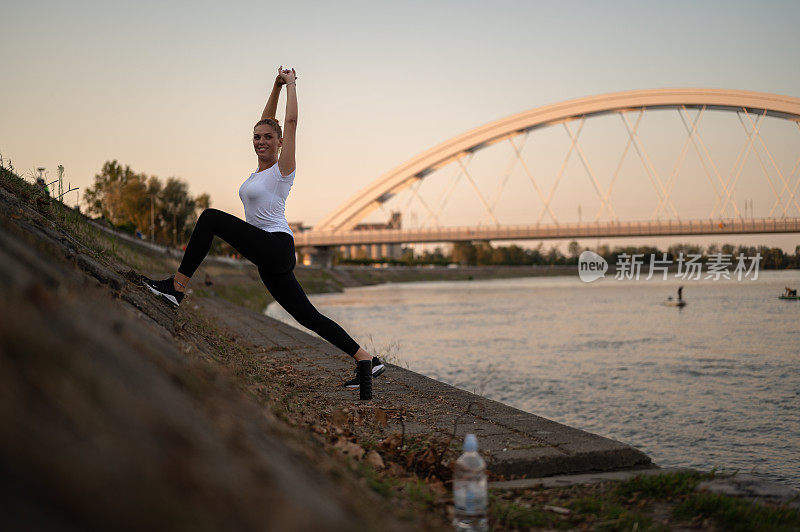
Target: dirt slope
x,y
112,418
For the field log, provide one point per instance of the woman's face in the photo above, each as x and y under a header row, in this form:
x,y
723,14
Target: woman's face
x,y
266,142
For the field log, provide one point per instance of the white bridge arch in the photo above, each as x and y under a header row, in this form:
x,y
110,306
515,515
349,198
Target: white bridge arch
x,y
349,214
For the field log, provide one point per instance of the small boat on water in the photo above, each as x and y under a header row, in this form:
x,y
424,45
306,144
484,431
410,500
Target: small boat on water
x,y
680,302
789,293
789,297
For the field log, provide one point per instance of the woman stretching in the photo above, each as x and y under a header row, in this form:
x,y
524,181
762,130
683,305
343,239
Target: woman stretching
x,y
265,238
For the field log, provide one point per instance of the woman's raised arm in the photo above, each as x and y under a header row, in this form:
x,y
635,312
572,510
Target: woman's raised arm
x,y
272,104
286,162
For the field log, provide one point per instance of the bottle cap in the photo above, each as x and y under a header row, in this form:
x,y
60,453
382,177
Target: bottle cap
x,y
470,443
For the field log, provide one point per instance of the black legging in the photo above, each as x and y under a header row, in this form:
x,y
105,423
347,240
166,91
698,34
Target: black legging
x,y
273,253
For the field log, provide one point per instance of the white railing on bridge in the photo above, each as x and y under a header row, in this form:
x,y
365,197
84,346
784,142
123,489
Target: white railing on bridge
x,y
554,231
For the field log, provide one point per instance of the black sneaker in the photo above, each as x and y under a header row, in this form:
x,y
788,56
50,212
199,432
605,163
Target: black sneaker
x,y
165,289
377,369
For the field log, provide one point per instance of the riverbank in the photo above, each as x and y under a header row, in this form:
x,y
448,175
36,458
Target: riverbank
x,y
240,284
608,358
116,411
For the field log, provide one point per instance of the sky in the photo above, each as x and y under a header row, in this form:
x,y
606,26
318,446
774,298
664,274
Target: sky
x,y
173,88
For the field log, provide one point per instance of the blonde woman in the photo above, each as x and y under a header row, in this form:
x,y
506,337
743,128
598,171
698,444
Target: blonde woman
x,y
264,238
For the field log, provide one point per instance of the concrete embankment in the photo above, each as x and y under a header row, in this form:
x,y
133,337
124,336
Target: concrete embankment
x,y
516,443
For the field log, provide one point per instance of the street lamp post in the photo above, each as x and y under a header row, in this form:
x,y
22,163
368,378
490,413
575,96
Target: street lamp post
x,y
152,218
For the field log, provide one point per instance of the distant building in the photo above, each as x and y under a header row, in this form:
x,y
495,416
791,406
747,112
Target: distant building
x,y
310,256
375,251
298,227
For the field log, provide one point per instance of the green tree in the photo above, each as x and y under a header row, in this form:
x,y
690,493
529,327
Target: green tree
x,y
202,202
464,253
500,255
772,258
516,255
535,256
554,256
574,249
407,256
177,209
675,251
483,252
104,197
132,200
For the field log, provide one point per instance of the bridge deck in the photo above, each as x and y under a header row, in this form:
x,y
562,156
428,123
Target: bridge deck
x,y
542,232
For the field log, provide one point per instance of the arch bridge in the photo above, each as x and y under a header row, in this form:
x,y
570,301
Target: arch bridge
x,y
760,171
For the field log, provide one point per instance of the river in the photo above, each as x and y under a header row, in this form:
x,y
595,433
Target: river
x,y
715,384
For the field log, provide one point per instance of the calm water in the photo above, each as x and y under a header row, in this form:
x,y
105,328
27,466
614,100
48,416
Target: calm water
x,y
716,384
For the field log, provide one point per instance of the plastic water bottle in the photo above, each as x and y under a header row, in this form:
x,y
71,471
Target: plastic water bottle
x,y
469,489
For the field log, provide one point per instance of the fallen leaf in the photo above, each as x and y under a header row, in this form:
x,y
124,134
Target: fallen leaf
x,y
437,487
427,459
257,388
374,459
340,417
410,458
394,469
349,448
391,442
381,418
557,509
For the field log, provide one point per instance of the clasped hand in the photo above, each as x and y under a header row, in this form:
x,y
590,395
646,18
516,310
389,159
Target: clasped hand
x,y
285,76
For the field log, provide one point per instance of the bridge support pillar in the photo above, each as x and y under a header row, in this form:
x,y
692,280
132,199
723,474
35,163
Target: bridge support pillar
x,y
321,256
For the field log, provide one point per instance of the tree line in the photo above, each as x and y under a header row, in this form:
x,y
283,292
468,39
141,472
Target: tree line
x,y
138,203
482,253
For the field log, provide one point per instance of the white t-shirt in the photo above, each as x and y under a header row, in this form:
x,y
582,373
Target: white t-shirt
x,y
264,197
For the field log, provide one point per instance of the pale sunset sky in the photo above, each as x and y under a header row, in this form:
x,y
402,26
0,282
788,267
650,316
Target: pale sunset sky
x,y
174,88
